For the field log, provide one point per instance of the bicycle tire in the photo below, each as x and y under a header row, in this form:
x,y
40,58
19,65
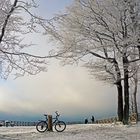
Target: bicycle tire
x,y
60,126
41,126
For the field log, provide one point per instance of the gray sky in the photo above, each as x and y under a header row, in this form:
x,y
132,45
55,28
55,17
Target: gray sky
x,y
70,89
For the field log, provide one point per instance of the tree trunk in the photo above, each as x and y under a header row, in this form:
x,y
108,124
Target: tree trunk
x,y
120,92
126,91
135,97
120,101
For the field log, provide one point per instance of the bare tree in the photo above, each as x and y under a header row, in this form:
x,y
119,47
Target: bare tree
x,y
101,30
16,22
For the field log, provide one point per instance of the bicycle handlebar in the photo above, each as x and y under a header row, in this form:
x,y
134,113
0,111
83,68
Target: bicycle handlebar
x,y
57,114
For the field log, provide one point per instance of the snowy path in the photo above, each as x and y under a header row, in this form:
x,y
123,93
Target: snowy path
x,y
74,132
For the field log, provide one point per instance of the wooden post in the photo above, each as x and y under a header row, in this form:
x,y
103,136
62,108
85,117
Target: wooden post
x,y
50,126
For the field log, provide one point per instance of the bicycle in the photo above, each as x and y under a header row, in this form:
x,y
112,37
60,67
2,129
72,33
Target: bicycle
x,y
59,126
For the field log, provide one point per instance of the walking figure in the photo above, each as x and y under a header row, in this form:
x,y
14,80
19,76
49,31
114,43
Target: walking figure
x,y
86,121
92,119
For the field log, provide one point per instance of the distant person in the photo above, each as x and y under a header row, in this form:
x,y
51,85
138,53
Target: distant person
x,y
86,121
92,119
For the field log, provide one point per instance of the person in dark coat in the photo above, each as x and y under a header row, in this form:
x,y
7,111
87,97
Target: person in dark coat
x,y
86,121
92,119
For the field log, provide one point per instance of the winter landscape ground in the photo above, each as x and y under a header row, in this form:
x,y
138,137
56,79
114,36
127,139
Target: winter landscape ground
x,y
75,132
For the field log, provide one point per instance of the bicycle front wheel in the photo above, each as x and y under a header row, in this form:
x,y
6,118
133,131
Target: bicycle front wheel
x,y
41,126
60,126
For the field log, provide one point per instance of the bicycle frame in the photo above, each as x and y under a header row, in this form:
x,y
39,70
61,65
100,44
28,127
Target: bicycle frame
x,y
55,119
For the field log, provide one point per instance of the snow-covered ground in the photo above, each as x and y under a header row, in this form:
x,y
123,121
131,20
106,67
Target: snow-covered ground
x,y
74,132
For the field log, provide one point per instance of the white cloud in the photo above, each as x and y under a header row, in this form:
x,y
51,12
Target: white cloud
x,y
66,89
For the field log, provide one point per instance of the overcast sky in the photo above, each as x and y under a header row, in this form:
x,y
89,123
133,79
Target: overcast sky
x,y
70,89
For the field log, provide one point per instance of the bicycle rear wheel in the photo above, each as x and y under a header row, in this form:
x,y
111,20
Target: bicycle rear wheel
x,y
60,126
41,126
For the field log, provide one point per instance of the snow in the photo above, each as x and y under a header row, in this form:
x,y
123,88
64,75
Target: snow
x,y
75,132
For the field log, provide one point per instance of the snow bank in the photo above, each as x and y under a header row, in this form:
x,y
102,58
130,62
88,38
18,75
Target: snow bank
x,y
75,132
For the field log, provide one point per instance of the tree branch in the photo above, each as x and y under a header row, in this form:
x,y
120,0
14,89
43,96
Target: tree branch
x,y
6,20
100,56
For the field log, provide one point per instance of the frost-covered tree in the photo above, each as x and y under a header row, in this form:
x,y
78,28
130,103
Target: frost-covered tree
x,y
105,34
16,21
